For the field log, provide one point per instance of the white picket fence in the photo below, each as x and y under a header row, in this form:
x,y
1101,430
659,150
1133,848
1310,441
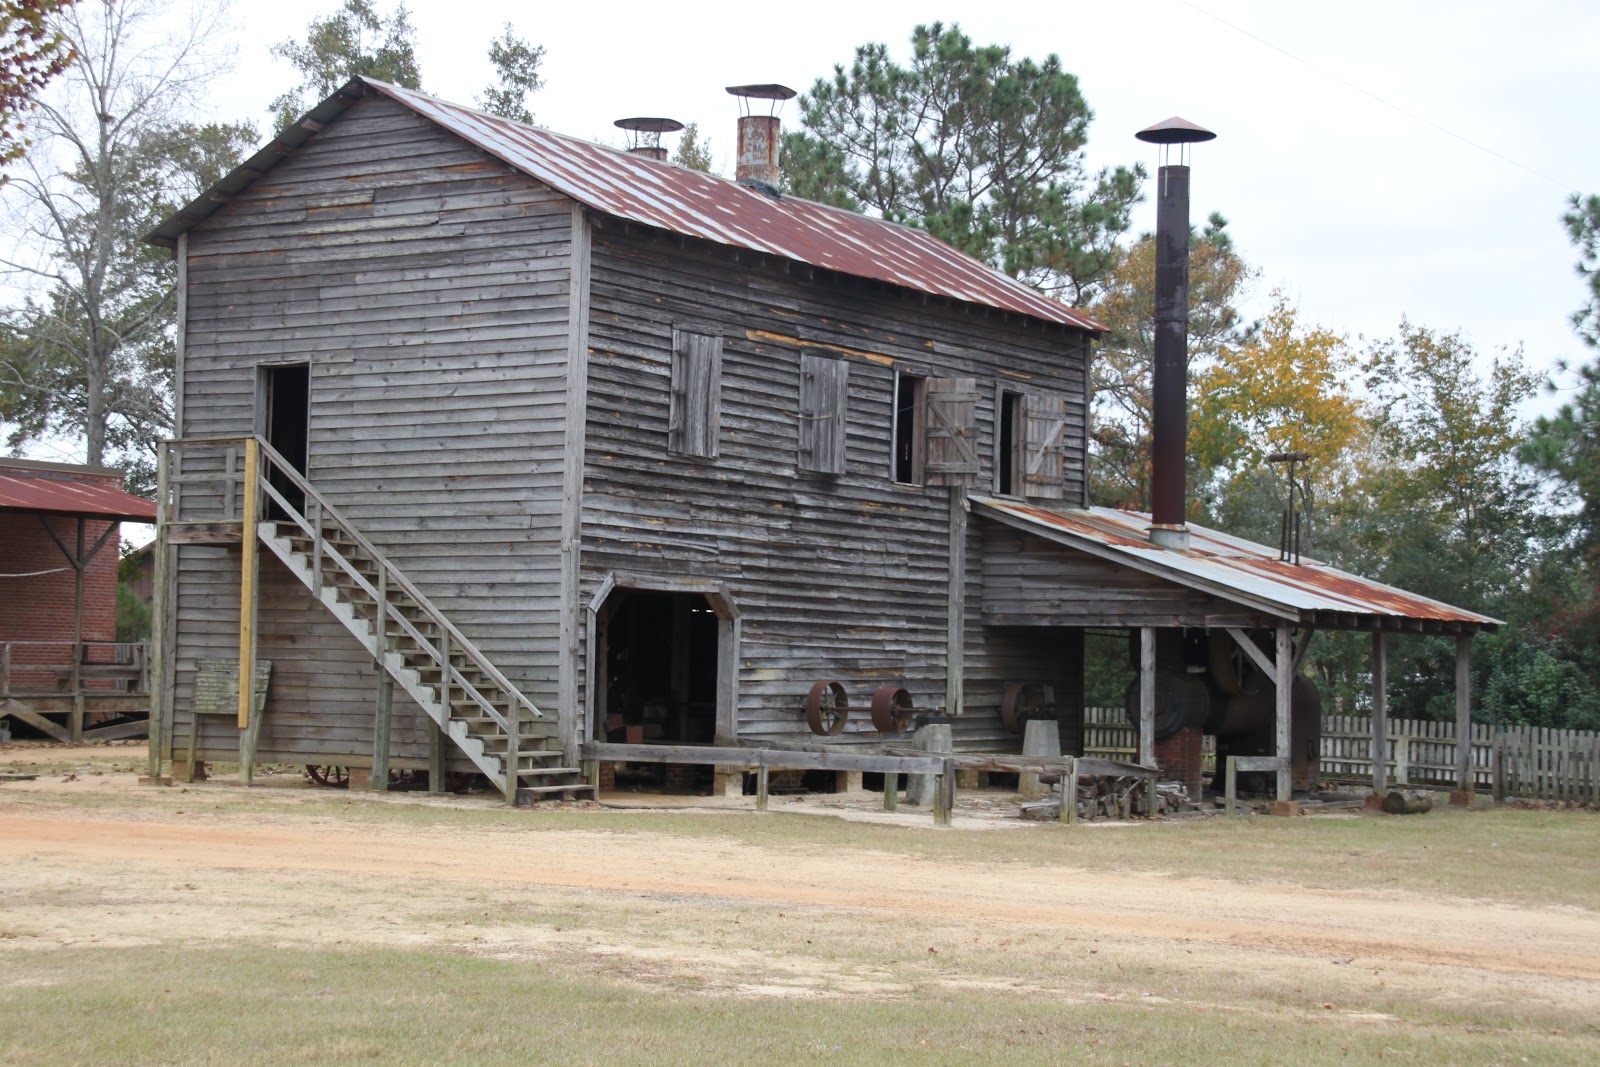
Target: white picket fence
x,y
1518,761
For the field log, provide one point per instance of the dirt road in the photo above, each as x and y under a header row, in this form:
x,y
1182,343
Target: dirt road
x,y
758,919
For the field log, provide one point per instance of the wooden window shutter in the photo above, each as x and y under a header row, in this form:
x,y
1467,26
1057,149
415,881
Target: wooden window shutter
x,y
1044,462
952,431
696,394
824,402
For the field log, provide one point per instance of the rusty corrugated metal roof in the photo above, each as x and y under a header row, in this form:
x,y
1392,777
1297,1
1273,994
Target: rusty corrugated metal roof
x,y
688,202
1229,567
64,495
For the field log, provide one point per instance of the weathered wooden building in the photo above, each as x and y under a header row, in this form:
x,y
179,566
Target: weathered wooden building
x,y
558,444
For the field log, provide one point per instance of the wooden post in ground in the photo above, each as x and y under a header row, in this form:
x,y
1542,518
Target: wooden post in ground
x,y
761,788
891,791
158,624
1069,792
944,793
383,715
436,747
1380,712
955,604
1464,780
1285,694
1147,696
248,603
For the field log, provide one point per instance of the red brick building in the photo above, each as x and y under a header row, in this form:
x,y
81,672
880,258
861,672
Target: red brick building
x,y
59,548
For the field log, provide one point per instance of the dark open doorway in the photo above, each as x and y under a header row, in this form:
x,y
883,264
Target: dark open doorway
x,y
660,681
285,418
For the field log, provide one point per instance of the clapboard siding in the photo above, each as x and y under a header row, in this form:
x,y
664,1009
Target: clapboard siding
x,y
428,285
840,577
1028,580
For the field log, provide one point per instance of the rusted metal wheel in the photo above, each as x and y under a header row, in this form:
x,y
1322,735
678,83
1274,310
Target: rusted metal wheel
x,y
827,708
1231,668
330,775
891,710
1019,704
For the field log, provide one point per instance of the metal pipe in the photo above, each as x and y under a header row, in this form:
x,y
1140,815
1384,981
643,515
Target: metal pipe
x,y
1170,377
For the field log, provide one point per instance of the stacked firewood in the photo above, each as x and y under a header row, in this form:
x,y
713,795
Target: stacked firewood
x,y
1109,798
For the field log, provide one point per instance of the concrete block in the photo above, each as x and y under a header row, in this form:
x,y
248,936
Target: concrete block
x,y
1040,737
934,737
847,782
723,784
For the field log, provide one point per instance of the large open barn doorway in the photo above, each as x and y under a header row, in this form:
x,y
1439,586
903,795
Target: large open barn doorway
x,y
658,683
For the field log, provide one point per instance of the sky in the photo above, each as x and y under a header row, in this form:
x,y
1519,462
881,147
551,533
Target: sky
x,y
1375,160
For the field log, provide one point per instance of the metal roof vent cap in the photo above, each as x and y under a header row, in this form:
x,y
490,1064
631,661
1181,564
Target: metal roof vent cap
x,y
760,135
644,135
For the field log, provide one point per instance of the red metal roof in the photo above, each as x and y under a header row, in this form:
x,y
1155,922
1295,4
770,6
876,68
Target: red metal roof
x,y
64,495
1229,567
685,201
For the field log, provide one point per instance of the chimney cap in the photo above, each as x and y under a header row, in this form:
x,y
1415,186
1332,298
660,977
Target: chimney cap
x,y
649,125
1175,131
762,92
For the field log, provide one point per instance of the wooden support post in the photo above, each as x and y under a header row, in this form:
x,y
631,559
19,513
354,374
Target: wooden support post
x,y
761,788
944,793
1380,712
249,602
436,750
1464,779
382,721
383,716
891,791
75,722
955,638
316,559
247,586
1233,786
591,774
513,750
1285,694
1069,792
1147,696
1499,765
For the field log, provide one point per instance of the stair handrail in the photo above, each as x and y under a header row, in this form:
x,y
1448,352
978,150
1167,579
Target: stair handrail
x,y
459,641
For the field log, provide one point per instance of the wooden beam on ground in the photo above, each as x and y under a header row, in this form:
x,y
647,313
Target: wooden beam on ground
x,y
116,731
1380,712
23,713
755,758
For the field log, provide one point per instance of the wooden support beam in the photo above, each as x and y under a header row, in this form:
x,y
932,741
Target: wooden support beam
x,y
1147,696
436,754
761,788
1464,714
955,604
751,758
26,714
1285,695
891,791
1251,649
247,585
159,619
1306,634
1380,712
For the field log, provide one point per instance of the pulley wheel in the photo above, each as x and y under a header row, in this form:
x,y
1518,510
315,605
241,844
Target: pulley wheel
x,y
891,710
827,708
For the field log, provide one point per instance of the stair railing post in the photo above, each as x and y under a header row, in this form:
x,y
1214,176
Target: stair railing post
x,y
316,545
385,710
248,592
514,714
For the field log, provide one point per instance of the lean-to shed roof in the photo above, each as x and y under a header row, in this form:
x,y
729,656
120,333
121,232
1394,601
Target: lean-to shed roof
x,y
681,201
1240,571
61,494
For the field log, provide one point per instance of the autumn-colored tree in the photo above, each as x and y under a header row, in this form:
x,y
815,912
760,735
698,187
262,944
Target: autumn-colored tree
x,y
1120,373
1285,390
32,51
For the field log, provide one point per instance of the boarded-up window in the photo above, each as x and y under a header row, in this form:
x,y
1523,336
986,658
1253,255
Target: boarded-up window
x,y
696,394
952,405
1045,453
824,401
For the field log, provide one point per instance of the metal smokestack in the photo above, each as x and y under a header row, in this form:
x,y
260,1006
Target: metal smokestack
x,y
760,135
1170,377
644,135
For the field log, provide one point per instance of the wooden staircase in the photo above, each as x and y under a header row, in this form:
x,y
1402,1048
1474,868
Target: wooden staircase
x,y
475,706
